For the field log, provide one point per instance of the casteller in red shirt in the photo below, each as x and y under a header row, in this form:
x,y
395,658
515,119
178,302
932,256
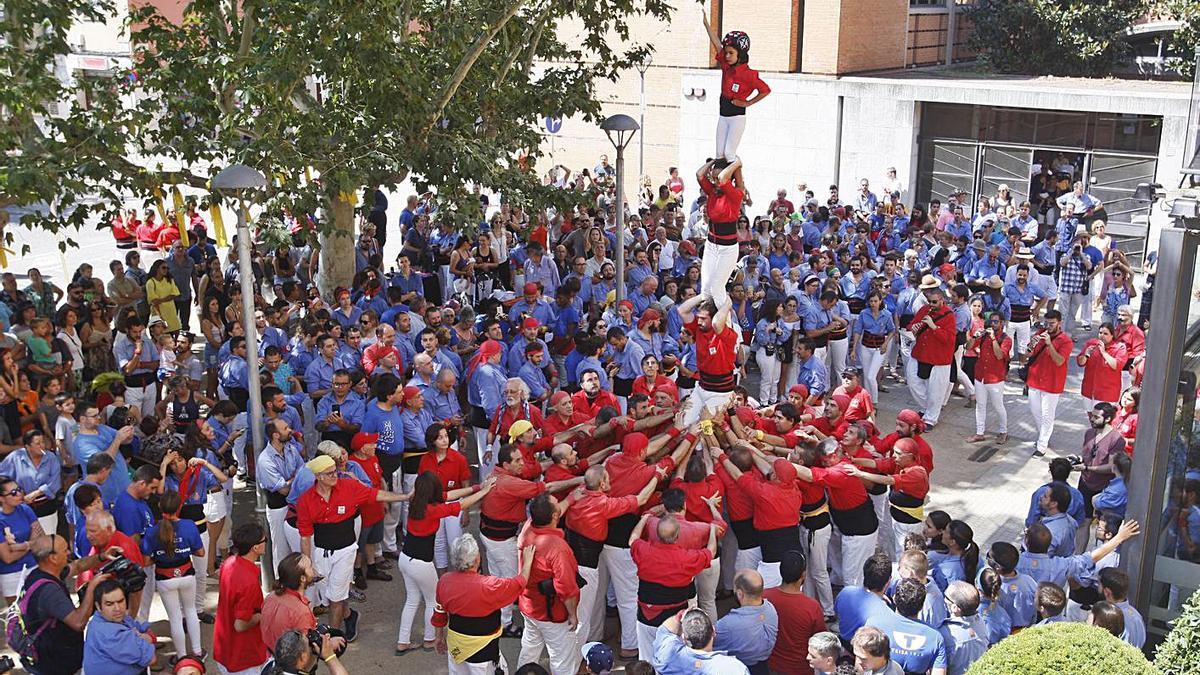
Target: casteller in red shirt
x,y
934,346
129,549
1044,374
553,560
590,407
240,599
715,356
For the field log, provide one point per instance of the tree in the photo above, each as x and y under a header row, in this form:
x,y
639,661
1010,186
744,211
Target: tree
x,y
325,97
1184,40
1052,37
1061,648
1179,654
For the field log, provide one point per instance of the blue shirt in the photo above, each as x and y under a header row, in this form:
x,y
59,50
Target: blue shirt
x,y
1035,511
673,657
115,648
966,641
944,568
915,646
415,423
1044,567
20,521
486,388
1026,297
1062,534
813,375
985,269
197,489
1112,499
413,283
1135,627
275,469
347,320
997,620
856,607
301,357
867,322
133,516
630,360
353,409
273,337
123,351
533,376
540,309
187,543
80,545
234,373
441,405
319,374
46,477
748,633
388,425
592,363
1018,598
516,355
87,445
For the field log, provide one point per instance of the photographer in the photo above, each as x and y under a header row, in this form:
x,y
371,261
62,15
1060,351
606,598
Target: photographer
x,y
115,643
102,533
296,654
59,646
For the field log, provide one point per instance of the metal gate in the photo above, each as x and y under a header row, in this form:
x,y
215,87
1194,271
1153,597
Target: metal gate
x,y
1008,165
1112,179
946,166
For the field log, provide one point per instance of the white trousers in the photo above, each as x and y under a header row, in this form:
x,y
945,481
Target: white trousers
x,y
408,483
487,457
993,395
1043,406
717,265
839,350
616,565
729,136
1071,303
176,595
910,364
768,382
142,398
645,641
420,585
883,513
279,543
963,379
815,545
704,399
591,607
899,532
871,360
744,559
200,563
930,394
393,515
1019,333
562,644
502,562
706,589
337,566
854,553
488,668
147,594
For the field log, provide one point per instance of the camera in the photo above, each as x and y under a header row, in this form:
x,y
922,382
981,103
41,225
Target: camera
x,y
316,636
1039,325
769,349
6,664
130,576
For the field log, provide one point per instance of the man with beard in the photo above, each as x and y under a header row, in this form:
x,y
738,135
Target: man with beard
x,y
590,398
532,305
850,507
384,352
1133,337
909,425
935,331
716,346
485,393
516,352
1024,301
516,406
1049,353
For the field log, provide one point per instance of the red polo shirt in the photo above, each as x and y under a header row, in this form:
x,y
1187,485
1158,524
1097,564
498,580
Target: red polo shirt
x,y
554,560
590,409
845,490
775,505
452,470
557,472
913,481
344,501
692,534
1101,383
836,428
726,206
472,594
507,499
240,599
739,81
800,618
934,345
671,565
532,467
554,423
988,368
281,613
715,356
924,451
630,473
503,421
589,514
372,512
129,548
1044,374
861,406
739,503
428,526
1134,339
695,493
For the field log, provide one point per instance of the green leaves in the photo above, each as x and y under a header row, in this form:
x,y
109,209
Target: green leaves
x,y
1179,653
1053,37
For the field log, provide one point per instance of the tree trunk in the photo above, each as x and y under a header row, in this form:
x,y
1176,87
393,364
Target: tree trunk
x,y
337,250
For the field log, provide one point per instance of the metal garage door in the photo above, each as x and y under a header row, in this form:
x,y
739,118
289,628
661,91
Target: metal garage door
x,y
1112,179
944,166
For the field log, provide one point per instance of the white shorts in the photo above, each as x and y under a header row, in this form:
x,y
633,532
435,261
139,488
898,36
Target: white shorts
x,y
338,569
256,670
10,584
215,507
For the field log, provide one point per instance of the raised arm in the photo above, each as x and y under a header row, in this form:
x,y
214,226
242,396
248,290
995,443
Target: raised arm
x,y
712,33
730,170
687,307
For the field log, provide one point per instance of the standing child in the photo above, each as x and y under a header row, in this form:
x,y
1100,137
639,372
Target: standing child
x,y
738,83
65,428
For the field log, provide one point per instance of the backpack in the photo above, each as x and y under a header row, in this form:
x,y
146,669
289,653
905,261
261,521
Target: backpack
x,y
19,639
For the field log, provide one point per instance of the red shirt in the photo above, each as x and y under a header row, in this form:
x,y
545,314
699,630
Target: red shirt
x,y
671,565
531,469
630,473
1134,339
375,353
1044,374
554,560
557,472
924,452
934,345
694,494
739,503
507,499
715,356
1126,424
912,481
129,548
988,368
1101,383
476,595
553,424
861,406
372,512
589,514
726,206
775,505
240,599
589,409
428,526
739,81
692,534
845,490
837,428
452,470
642,386
344,501
281,613
800,617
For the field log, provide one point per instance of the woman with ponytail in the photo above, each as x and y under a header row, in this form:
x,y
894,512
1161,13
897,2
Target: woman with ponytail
x,y
960,562
196,479
426,509
173,544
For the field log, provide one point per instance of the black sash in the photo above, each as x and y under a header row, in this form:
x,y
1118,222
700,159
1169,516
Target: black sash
x,y
419,547
497,530
775,543
743,530
334,536
276,500
900,501
586,550
857,521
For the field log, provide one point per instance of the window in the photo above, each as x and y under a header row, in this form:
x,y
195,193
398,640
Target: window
x,y
926,3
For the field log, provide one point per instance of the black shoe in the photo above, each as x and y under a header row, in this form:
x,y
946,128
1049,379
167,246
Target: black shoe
x,y
351,626
376,573
205,617
360,580
512,630
611,611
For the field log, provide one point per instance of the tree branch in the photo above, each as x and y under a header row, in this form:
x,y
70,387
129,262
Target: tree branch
x,y
249,24
532,36
467,62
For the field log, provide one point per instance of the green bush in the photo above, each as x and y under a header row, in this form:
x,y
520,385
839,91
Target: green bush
x,y
1062,649
1179,654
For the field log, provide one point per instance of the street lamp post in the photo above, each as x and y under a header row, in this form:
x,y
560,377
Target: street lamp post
x,y
620,130
642,66
236,179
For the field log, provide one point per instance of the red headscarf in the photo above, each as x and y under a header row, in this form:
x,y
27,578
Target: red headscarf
x,y
912,418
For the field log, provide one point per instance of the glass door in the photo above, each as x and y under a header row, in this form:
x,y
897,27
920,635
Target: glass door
x,y
1112,178
945,166
1006,166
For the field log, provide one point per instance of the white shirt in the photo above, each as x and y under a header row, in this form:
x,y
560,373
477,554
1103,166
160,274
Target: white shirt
x,y
666,256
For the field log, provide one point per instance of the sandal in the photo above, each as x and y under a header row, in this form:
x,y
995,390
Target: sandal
x,y
402,652
977,438
1001,438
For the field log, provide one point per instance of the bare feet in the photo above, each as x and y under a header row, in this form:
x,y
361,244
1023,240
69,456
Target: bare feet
x,y
977,438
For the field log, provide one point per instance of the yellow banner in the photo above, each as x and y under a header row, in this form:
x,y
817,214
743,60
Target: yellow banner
x,y
218,225
180,214
158,204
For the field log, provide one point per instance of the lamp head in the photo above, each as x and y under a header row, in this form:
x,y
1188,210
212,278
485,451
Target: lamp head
x,y
620,130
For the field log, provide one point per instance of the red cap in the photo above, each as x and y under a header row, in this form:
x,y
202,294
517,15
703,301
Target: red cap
x,y
531,288
489,349
912,417
530,323
363,438
559,397
946,269
799,389
410,392
842,401
687,247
